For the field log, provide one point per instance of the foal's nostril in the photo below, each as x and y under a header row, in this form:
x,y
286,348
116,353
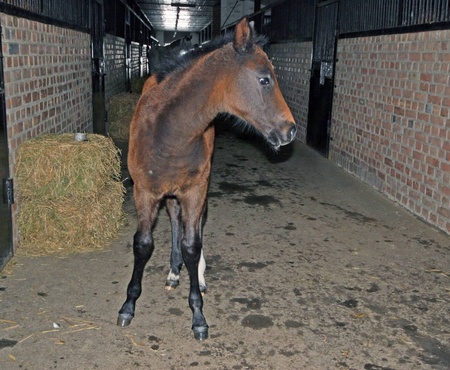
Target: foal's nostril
x,y
292,133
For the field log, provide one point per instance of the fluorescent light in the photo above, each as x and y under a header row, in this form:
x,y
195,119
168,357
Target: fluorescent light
x,y
181,5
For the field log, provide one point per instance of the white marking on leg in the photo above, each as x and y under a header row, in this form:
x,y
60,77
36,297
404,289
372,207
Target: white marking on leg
x,y
173,277
201,271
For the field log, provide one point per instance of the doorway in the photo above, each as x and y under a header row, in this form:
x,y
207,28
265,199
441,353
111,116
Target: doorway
x,y
98,69
6,242
322,76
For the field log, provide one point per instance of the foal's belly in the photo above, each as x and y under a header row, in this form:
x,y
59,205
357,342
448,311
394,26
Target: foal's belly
x,y
170,177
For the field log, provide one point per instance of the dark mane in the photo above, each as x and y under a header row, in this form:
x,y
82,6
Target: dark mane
x,y
174,60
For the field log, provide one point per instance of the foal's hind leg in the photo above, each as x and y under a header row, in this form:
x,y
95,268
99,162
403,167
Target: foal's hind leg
x,y
143,248
202,262
176,259
201,274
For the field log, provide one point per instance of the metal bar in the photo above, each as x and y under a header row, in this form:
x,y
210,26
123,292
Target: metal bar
x,y
436,7
416,12
41,17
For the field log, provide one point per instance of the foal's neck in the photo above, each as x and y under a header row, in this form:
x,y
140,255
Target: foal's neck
x,y
198,91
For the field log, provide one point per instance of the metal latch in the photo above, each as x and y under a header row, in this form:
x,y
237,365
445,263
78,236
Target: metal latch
x,y
8,191
326,71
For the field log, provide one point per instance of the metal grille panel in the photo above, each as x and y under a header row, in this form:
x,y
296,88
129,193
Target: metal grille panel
x,y
425,11
292,20
324,37
369,15
73,12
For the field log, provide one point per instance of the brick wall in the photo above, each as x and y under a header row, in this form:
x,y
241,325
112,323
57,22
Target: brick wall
x,y
292,62
391,121
48,85
115,80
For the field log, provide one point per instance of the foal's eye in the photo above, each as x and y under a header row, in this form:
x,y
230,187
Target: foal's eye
x,y
264,81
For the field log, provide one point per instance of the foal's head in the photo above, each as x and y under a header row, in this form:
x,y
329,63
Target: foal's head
x,y
252,91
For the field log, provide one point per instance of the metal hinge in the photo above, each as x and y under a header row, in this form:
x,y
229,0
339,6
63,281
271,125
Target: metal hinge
x,y
8,191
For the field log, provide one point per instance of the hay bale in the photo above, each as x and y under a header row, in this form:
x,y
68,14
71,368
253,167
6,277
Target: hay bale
x,y
121,109
70,194
137,83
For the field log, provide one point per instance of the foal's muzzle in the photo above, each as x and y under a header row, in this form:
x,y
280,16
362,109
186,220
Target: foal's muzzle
x,y
282,135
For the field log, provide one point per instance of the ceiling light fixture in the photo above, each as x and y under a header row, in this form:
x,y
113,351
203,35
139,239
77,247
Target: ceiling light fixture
x,y
178,6
181,5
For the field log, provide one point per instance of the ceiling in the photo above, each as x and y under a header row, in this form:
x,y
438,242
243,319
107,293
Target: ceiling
x,y
178,15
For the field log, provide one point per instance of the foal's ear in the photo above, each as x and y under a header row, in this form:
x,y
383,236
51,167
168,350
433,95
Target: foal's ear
x,y
243,36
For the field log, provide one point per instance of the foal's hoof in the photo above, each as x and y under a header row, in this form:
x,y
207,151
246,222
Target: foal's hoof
x,y
171,284
200,333
124,319
203,289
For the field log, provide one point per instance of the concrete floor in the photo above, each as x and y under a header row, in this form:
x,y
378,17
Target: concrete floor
x,y
308,268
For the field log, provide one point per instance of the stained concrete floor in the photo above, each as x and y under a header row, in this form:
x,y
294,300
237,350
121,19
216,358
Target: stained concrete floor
x,y
308,268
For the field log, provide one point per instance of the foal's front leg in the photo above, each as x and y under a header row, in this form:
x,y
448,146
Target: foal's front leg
x,y
143,248
192,211
176,259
